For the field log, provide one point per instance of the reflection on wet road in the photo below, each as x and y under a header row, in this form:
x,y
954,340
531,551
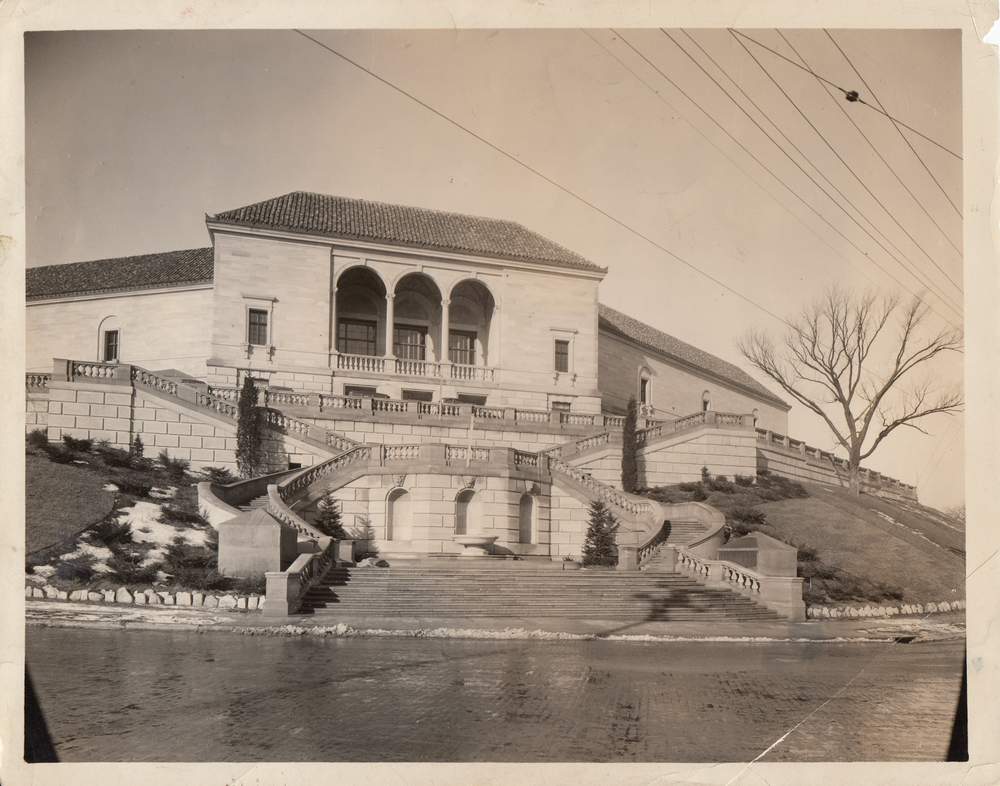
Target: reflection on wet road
x,y
181,696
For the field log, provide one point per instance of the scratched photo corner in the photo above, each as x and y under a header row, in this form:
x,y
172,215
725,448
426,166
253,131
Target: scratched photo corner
x,y
496,395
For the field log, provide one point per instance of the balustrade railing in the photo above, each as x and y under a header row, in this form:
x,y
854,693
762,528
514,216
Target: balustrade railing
x,y
372,364
417,368
649,548
37,381
86,370
488,413
523,458
460,453
330,401
399,453
601,490
471,373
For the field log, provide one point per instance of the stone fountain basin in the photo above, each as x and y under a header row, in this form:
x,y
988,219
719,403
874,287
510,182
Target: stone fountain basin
x,y
476,545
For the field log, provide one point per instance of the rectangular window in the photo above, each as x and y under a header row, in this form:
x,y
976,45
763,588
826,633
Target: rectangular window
x,y
409,342
468,398
257,327
644,391
562,355
356,337
418,395
561,406
462,347
356,391
110,346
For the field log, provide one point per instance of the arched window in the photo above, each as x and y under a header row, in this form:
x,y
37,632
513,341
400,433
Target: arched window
x,y
756,416
398,524
706,401
109,340
526,519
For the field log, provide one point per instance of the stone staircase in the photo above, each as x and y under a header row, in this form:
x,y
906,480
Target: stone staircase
x,y
254,504
451,589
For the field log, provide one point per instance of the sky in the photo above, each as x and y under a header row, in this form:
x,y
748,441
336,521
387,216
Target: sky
x,y
132,137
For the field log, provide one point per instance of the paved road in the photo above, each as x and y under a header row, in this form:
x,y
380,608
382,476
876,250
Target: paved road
x,y
183,696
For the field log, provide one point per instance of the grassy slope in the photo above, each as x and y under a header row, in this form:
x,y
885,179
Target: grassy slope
x,y
847,533
61,499
848,551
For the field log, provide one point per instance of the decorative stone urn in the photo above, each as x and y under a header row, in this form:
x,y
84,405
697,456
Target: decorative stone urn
x,y
476,545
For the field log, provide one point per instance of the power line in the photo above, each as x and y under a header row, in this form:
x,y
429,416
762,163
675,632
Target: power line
x,y
720,150
851,95
912,149
541,175
871,144
923,282
820,187
842,161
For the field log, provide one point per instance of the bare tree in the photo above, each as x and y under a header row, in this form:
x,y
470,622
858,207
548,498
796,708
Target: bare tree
x,y
824,361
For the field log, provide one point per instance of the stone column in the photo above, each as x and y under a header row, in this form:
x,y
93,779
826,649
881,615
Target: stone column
x,y
333,327
443,358
390,318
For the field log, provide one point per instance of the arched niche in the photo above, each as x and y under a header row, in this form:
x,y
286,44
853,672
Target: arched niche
x,y
398,515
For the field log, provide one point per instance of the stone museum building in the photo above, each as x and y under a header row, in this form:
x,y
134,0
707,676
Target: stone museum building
x,y
453,380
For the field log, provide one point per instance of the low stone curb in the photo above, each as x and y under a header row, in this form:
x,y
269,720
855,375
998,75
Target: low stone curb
x,y
854,612
149,597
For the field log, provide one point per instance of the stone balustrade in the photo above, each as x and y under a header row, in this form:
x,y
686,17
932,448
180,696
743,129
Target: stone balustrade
x,y
286,589
781,593
793,448
37,382
705,418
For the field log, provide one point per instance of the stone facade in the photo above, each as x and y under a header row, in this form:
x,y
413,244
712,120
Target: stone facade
x,y
673,389
158,329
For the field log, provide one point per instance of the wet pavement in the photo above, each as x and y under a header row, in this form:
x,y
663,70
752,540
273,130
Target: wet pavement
x,y
178,695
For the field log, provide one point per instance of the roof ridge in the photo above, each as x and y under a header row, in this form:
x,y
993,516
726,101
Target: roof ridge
x,y
115,259
740,378
335,215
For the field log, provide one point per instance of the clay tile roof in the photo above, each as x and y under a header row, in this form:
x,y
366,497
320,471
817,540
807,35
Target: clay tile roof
x,y
147,271
656,340
359,219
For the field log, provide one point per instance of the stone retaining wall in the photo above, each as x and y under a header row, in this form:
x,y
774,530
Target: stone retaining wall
x,y
149,597
854,612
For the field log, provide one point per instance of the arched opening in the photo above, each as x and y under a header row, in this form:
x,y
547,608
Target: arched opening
x,y
109,340
706,401
398,521
470,324
360,312
756,416
526,519
416,329
466,512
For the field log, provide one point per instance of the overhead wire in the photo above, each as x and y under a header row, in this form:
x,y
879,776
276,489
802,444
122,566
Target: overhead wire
x,y
908,144
817,184
854,97
541,175
846,165
924,282
719,149
872,145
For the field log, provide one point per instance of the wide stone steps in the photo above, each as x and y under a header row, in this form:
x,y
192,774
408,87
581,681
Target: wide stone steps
x,y
458,591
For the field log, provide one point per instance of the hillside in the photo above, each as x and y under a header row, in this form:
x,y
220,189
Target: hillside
x,y
851,549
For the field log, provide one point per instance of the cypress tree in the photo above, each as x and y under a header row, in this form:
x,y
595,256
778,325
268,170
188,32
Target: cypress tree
x,y
328,521
248,430
599,545
630,467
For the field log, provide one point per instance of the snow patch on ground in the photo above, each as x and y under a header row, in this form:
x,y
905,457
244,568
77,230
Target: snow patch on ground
x,y
144,518
101,555
44,570
79,461
167,492
109,487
